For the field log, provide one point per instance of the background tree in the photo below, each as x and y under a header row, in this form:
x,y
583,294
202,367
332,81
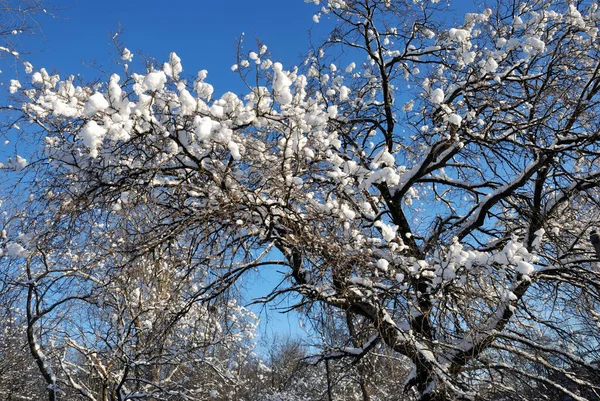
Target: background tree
x,y
440,190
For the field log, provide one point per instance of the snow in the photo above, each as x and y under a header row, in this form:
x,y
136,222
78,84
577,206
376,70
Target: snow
x,y
347,212
468,57
204,128
95,103
203,89
281,85
155,81
16,250
332,111
234,149
188,102
92,135
15,85
388,232
16,163
455,119
384,158
536,44
437,96
538,238
491,65
383,265
173,68
460,35
126,55
38,77
524,268
28,67
344,91
363,282
217,110
517,21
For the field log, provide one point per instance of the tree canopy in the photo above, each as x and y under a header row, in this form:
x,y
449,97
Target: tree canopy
x,y
432,185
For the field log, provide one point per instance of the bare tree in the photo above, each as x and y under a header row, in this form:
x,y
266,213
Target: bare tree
x,y
440,189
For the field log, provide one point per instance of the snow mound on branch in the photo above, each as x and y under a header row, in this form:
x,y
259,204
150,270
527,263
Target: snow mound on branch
x,y
460,35
95,103
235,150
92,135
383,264
437,96
281,85
16,250
126,55
455,119
524,268
16,163
173,68
155,81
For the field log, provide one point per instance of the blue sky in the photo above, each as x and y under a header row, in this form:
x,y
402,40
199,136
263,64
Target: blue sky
x,y
203,33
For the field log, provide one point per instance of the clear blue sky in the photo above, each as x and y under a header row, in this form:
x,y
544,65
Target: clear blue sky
x,y
203,33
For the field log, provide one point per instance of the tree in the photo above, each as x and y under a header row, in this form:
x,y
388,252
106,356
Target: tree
x,y
440,190
115,325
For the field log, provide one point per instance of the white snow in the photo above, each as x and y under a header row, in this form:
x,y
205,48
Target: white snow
x,y
155,81
455,119
536,44
15,85
347,212
460,35
384,158
15,250
469,57
95,103
383,264
491,65
437,96
388,232
344,91
517,22
126,55
524,268
173,68
28,67
332,111
16,163
539,237
235,150
204,128
92,135
203,89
